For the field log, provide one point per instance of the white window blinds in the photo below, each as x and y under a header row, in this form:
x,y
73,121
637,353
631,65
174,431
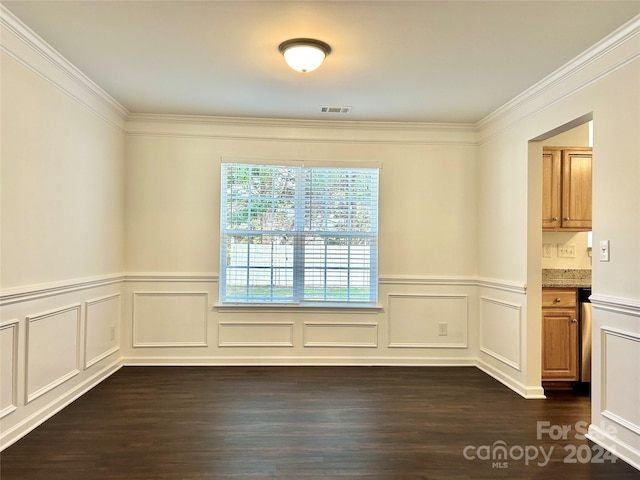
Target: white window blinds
x,y
296,234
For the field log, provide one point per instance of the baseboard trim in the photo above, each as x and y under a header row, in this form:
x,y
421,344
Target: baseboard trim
x,y
620,449
525,391
15,433
297,361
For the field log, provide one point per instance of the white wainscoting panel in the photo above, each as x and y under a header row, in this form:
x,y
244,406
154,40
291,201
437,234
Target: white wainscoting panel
x,y
255,334
327,334
8,367
170,319
414,320
621,378
53,350
102,328
500,331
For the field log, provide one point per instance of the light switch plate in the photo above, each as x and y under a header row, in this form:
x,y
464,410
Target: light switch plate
x,y
604,250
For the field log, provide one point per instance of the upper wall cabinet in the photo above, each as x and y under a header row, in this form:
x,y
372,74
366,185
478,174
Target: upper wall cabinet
x,y
566,183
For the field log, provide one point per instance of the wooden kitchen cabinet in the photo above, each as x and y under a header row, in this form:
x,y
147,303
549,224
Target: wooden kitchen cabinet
x,y
566,188
559,334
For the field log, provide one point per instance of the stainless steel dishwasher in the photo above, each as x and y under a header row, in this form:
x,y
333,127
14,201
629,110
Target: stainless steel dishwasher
x,y
585,333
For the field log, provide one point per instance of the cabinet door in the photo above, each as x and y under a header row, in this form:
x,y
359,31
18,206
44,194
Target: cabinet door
x,y
559,344
551,172
576,189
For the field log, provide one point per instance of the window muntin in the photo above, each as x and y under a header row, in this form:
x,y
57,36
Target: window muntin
x,y
298,234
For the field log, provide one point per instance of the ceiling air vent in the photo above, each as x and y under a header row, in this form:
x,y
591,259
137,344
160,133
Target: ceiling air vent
x,y
334,109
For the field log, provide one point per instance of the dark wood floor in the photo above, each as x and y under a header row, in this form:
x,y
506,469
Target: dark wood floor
x,y
386,423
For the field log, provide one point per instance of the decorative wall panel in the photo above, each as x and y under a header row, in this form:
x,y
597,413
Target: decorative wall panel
x,y
621,378
500,324
170,319
102,329
53,350
8,367
255,334
328,334
418,321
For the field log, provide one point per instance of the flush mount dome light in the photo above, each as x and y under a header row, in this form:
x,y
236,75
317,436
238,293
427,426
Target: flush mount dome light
x,y
304,54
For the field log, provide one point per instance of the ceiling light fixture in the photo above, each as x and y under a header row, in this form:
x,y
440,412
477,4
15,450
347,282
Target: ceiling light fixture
x,y
304,54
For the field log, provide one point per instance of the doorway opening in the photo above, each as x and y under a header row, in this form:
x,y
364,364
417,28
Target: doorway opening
x,y
560,255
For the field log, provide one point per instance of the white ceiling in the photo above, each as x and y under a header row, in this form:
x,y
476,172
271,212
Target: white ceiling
x,y
419,61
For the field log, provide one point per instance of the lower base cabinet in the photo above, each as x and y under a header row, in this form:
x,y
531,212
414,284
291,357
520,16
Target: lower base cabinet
x,y
559,334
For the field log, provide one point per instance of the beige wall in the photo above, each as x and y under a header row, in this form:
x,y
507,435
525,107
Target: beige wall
x,y
427,246
510,238
62,185
575,137
583,258
427,200
61,234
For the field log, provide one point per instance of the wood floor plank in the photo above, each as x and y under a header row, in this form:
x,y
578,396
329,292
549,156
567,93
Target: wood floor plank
x,y
303,423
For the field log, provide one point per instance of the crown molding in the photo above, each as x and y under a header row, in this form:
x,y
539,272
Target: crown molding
x,y
28,48
622,36
288,130
300,123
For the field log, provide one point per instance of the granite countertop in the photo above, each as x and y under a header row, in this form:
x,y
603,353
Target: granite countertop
x,y
566,278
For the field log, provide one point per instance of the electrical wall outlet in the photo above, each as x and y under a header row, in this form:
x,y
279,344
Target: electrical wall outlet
x,y
442,329
113,332
547,250
568,250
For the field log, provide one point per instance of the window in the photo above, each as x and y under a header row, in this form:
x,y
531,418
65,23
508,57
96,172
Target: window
x,y
297,234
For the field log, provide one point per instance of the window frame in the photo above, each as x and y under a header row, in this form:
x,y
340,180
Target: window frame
x,y
299,232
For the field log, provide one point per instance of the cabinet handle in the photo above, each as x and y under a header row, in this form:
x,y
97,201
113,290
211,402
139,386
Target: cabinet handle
x,y
566,219
555,219
557,300
574,320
